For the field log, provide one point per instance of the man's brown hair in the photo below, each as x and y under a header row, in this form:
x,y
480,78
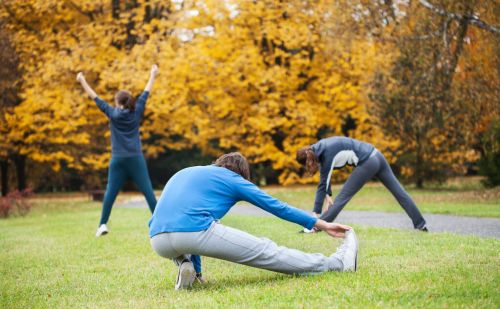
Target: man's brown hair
x,y
235,162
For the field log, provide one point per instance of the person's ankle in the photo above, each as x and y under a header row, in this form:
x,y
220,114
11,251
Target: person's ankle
x,y
199,278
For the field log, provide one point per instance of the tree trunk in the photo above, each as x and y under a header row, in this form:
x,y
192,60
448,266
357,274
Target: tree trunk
x,y
419,175
20,162
115,9
419,181
5,177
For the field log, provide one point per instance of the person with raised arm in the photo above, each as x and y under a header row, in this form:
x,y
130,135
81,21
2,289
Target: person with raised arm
x,y
127,161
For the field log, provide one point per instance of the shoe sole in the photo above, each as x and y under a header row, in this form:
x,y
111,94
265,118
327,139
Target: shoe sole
x,y
185,277
102,234
356,262
356,256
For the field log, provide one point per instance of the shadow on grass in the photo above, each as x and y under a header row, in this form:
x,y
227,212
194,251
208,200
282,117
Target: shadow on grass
x,y
238,281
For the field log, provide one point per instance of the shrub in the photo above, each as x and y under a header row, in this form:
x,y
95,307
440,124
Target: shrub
x,y
16,202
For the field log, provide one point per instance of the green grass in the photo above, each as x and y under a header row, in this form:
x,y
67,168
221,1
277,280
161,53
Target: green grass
x,y
52,259
375,197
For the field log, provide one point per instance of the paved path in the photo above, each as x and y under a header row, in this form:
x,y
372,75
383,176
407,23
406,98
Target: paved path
x,y
483,227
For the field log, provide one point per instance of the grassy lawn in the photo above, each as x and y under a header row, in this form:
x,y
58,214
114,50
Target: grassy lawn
x,y
375,197
52,259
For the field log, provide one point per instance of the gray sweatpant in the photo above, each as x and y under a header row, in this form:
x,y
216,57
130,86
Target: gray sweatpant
x,y
375,166
236,246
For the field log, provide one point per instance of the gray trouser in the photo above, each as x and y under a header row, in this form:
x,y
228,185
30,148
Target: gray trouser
x,y
236,246
375,166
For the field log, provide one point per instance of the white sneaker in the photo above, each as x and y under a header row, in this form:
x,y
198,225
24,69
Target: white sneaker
x,y
101,230
308,231
186,275
348,251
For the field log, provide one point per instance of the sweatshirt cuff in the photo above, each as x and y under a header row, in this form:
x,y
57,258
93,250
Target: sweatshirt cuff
x,y
311,223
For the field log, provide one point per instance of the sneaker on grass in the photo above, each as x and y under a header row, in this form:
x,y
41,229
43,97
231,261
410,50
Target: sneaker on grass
x,y
348,251
307,231
186,275
101,230
423,229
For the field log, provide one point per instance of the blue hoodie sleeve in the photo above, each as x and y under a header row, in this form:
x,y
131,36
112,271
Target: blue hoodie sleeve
x,y
103,106
141,103
247,191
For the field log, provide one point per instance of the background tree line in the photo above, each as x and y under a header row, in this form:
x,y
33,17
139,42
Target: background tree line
x,y
418,79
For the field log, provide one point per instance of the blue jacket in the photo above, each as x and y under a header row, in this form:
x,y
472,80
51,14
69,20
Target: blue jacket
x,y
124,124
196,196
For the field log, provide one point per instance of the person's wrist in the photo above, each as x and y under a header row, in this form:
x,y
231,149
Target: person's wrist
x,y
320,224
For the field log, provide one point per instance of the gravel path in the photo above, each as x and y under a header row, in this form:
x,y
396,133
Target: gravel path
x,y
483,227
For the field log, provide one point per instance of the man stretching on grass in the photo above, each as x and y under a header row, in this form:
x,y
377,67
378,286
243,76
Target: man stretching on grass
x,y
186,222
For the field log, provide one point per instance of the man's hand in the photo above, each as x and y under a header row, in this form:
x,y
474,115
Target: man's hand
x,y
80,77
154,70
332,229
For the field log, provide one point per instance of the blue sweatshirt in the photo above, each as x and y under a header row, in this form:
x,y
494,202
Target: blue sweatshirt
x,y
124,124
196,196
335,153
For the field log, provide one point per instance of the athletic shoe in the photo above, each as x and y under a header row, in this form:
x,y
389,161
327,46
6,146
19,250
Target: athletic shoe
x,y
308,231
186,275
423,229
348,251
101,230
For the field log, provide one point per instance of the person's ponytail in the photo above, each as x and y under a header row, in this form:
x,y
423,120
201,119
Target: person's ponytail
x,y
130,104
306,157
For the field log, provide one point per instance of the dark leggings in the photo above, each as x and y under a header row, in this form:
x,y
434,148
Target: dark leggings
x,y
375,166
120,170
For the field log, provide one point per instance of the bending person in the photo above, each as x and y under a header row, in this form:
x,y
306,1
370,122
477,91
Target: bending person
x,y
186,221
335,153
127,160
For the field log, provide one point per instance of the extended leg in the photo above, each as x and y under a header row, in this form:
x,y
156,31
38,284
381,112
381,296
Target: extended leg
x,y
116,179
240,247
139,173
391,182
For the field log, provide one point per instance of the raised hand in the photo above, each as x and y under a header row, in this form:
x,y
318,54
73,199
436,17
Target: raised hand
x,y
80,77
86,87
154,69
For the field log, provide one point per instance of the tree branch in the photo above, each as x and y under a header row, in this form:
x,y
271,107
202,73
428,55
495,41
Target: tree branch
x,y
471,18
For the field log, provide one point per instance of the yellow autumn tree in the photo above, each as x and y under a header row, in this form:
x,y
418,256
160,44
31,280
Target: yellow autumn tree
x,y
260,77
56,123
264,78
